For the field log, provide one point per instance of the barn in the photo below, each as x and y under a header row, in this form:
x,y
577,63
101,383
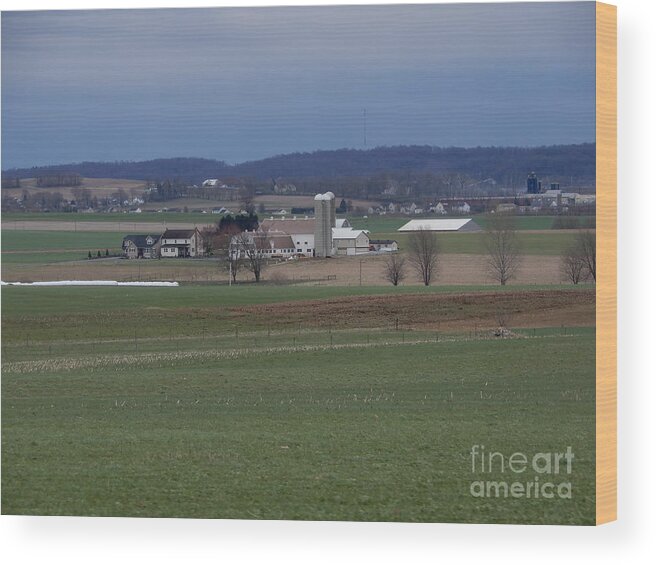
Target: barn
x,y
349,241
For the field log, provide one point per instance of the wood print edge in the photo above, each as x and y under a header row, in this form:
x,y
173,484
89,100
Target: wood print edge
x,y
606,303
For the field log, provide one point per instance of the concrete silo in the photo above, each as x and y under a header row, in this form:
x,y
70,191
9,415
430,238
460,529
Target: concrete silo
x,y
324,213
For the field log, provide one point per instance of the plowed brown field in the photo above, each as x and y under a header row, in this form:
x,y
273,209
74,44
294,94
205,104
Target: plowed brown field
x,y
433,311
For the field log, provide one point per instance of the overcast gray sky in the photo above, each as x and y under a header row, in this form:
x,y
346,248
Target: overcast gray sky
x,y
241,84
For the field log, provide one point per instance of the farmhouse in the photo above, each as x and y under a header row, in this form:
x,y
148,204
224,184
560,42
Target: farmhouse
x,y
142,246
446,225
182,243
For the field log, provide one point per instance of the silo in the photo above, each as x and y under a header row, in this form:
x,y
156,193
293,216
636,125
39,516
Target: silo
x,y
323,233
333,215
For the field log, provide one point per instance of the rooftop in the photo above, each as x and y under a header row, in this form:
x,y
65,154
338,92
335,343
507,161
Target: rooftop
x,y
447,224
178,234
299,225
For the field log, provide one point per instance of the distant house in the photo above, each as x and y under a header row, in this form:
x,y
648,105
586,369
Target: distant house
x,y
383,245
286,188
461,208
145,246
342,223
182,243
211,183
438,209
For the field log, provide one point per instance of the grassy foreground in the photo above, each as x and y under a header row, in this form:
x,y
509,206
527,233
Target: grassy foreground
x,y
374,425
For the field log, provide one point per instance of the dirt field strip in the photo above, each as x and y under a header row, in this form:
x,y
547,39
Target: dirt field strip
x,y
84,226
434,311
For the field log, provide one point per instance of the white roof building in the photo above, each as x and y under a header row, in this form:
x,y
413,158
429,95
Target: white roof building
x,y
347,233
447,224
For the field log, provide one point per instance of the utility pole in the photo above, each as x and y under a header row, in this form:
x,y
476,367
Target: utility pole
x,y
364,125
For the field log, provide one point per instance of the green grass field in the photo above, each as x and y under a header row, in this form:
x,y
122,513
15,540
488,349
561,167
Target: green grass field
x,y
20,246
549,243
187,417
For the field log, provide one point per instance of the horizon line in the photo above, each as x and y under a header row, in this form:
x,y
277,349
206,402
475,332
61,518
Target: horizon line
x,y
273,156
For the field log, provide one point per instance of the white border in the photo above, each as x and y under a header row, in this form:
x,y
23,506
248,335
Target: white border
x,y
81,540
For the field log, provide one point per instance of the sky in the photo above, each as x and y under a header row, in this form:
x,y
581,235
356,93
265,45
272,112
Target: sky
x,y
239,84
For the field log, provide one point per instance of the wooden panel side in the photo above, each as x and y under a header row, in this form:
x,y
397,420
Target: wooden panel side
x,y
606,422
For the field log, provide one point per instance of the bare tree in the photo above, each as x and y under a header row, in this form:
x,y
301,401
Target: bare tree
x,y
208,237
572,265
394,268
251,246
503,249
233,264
247,199
423,254
586,245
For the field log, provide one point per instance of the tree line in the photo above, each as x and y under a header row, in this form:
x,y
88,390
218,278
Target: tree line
x,y
508,166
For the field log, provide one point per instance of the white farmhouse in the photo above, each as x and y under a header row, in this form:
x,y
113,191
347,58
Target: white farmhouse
x,y
182,243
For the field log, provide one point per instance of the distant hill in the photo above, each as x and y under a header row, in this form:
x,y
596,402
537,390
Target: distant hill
x,y
506,165
178,167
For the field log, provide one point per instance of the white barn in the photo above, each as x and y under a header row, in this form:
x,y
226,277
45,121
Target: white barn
x,y
349,241
300,230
